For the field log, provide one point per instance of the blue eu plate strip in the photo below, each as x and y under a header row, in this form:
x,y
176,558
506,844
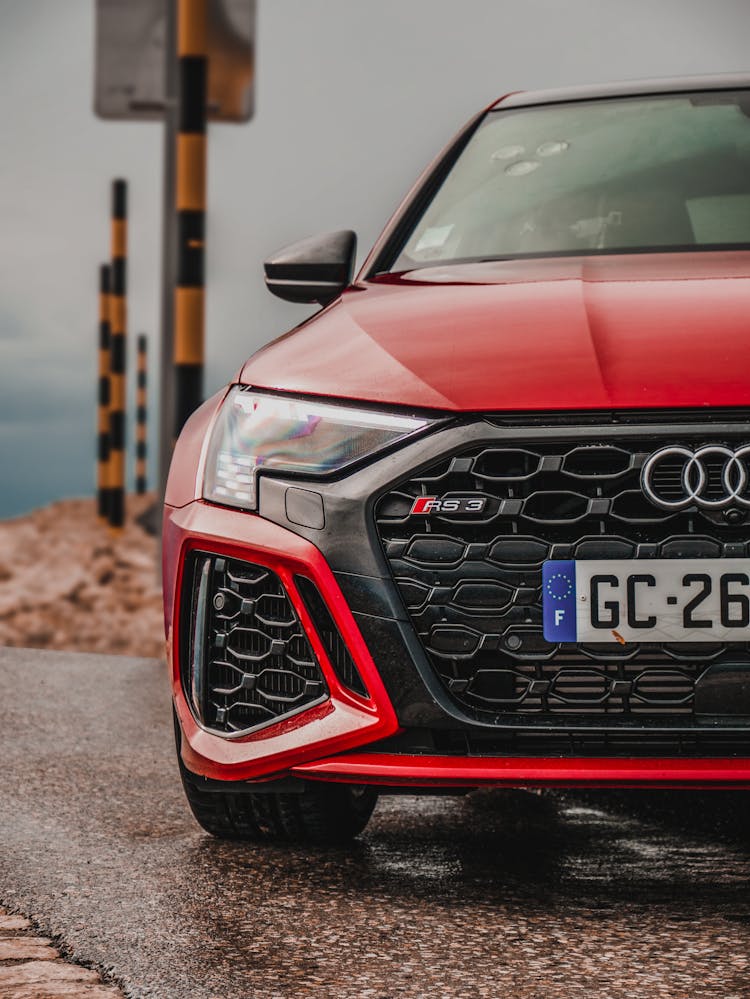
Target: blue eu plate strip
x,y
559,600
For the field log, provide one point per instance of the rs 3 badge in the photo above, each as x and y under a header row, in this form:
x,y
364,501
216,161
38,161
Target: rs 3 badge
x,y
460,505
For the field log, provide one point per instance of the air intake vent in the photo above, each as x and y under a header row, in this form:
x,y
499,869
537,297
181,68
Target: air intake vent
x,y
330,636
246,660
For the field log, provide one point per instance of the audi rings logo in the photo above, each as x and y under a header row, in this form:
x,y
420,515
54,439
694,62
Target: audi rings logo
x,y
712,478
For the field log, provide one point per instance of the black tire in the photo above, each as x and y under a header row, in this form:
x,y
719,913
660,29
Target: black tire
x,y
324,814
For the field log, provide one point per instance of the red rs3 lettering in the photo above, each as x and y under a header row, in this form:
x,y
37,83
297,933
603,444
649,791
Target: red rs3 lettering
x,y
460,505
424,504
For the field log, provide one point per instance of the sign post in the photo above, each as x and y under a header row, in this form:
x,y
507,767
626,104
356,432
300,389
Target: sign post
x,y
190,207
118,353
141,417
102,465
139,76
167,402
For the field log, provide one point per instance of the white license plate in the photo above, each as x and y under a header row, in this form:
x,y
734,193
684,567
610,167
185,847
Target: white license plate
x,y
647,600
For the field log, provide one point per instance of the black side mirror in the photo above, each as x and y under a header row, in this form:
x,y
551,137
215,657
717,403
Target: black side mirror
x,y
314,270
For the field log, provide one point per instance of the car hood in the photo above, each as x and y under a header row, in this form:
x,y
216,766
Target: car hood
x,y
627,331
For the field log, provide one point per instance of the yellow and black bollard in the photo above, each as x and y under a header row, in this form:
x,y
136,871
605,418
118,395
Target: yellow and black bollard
x,y
190,205
102,458
118,321
141,411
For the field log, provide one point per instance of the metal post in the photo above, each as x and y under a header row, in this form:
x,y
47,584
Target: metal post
x,y
102,457
169,253
118,325
190,204
141,426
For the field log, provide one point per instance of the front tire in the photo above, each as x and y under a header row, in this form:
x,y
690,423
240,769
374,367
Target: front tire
x,y
323,814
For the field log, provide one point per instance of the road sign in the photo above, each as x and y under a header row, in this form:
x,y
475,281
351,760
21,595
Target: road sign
x,y
131,57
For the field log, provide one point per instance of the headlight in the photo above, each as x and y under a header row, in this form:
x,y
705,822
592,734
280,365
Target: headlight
x,y
256,432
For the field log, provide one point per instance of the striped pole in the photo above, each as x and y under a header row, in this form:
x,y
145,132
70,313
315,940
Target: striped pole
x,y
190,206
102,463
117,354
141,417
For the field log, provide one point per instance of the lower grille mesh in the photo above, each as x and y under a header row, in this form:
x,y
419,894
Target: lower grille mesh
x,y
578,742
248,661
332,639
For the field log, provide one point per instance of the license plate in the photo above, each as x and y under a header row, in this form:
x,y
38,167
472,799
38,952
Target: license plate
x,y
649,600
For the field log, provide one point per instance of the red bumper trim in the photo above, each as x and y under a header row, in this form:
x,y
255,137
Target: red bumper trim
x,y
344,722
446,771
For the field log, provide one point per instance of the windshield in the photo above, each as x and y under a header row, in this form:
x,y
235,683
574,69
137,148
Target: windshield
x,y
604,176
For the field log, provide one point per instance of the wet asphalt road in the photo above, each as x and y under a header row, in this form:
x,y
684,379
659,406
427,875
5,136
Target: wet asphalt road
x,y
499,894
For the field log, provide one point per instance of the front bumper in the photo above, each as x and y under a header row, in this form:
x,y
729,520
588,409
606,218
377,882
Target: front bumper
x,y
350,738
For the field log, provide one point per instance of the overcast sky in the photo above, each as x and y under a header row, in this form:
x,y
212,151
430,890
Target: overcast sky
x,y
353,98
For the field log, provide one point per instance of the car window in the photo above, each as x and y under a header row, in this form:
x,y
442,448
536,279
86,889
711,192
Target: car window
x,y
606,176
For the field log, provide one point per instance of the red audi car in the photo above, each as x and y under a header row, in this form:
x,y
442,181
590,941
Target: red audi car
x,y
484,518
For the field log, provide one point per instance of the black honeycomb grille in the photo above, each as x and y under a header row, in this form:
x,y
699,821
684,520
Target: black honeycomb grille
x,y
248,660
472,583
333,642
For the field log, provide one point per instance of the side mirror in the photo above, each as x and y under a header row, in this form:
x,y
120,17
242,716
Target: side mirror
x,y
314,270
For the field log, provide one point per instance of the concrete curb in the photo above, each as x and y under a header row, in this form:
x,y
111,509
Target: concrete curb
x,y
31,967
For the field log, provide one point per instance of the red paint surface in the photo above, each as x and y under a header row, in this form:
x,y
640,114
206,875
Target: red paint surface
x,y
449,771
627,331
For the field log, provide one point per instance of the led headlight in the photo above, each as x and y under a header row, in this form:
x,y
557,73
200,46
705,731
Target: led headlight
x,y
257,432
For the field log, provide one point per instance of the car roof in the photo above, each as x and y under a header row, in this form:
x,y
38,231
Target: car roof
x,y
627,88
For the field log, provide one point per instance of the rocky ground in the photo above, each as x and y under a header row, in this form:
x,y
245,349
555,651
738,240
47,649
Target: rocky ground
x,y
67,582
